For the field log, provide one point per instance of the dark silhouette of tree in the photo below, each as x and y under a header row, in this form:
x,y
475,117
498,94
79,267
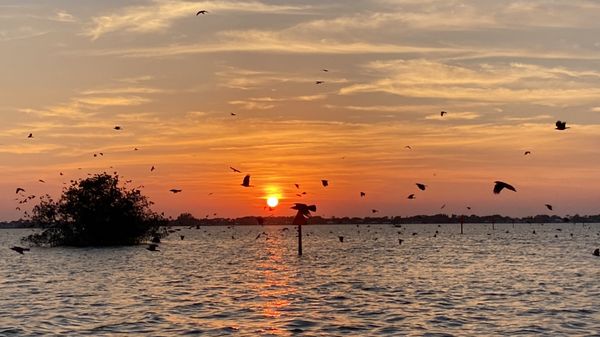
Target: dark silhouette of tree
x,y
95,211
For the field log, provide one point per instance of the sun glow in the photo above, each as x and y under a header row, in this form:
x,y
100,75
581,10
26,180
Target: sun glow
x,y
272,201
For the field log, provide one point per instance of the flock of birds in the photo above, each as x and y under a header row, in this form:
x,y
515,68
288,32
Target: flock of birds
x,y
498,187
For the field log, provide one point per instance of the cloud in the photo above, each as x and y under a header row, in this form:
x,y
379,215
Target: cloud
x,y
63,16
500,83
160,15
455,116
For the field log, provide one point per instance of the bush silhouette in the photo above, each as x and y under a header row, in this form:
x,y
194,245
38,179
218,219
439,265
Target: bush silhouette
x,y
95,212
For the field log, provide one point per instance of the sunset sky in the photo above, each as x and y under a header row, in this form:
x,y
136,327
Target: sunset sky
x,y
505,71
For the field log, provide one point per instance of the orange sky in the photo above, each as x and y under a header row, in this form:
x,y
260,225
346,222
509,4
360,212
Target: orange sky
x,y
505,72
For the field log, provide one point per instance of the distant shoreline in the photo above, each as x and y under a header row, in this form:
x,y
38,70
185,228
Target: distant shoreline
x,y
188,220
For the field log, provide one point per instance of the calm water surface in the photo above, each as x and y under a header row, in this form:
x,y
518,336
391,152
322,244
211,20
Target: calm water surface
x,y
222,281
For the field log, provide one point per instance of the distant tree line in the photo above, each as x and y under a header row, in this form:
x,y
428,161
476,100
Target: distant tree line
x,y
187,219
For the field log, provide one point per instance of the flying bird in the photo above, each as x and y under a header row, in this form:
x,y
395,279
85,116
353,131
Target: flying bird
x,y
232,114
19,250
117,128
246,182
408,147
421,186
548,206
527,153
443,206
30,135
325,182
19,190
561,125
319,82
442,113
234,169
202,12
362,194
500,185
152,168
374,211
325,70
175,191
41,181
411,196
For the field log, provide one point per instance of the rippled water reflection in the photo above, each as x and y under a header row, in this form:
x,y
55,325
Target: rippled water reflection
x,y
221,281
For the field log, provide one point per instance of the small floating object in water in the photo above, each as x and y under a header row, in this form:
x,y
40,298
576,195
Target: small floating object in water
x,y
152,247
596,252
341,238
19,250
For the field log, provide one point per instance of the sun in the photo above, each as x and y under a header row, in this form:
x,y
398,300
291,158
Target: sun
x,y
272,201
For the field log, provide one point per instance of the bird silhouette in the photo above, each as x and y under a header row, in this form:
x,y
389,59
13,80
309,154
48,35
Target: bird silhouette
x,y
548,206
304,209
117,128
421,186
41,180
152,168
319,82
442,113
246,181
234,169
232,114
325,70
19,189
411,196
341,238
175,191
561,125
500,185
202,12
362,194
19,250
443,206
374,211
30,135
408,147
325,183
297,186
152,247
527,153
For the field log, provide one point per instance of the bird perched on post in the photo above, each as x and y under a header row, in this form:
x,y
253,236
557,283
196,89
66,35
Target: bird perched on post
x,y
304,209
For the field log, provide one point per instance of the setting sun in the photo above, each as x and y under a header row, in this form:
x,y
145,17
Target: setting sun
x,y
272,201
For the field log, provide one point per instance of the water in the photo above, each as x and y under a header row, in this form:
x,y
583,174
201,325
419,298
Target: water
x,y
211,284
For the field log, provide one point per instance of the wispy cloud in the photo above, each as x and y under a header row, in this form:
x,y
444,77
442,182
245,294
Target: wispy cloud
x,y
502,83
160,14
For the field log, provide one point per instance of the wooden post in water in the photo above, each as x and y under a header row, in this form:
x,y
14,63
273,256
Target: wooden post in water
x,y
462,220
299,240
299,220
493,225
